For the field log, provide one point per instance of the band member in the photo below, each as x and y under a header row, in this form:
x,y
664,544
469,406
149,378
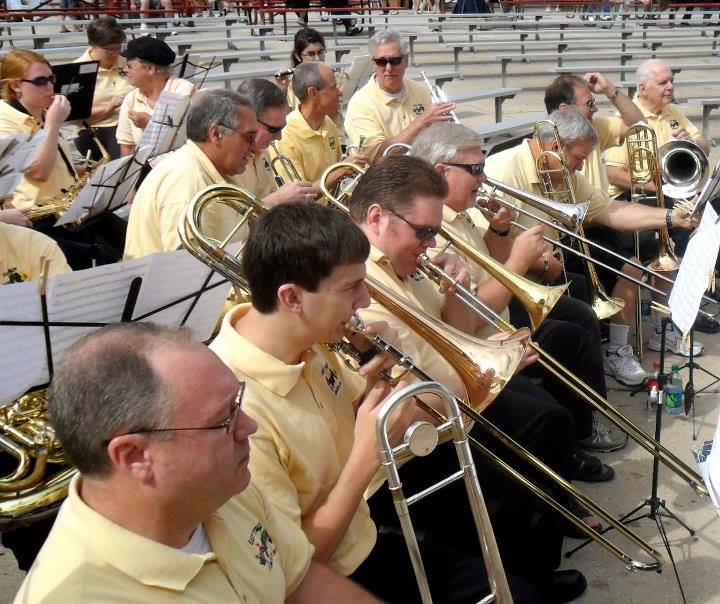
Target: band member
x,y
23,252
570,90
149,68
315,452
221,131
310,139
390,109
105,37
163,507
271,108
571,332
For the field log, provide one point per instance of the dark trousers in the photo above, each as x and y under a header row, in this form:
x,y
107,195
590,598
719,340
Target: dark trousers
x,y
105,134
453,577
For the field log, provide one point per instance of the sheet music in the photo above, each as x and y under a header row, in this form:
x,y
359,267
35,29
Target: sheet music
x,y
169,111
710,190
710,469
122,191
23,363
357,76
172,276
16,156
695,270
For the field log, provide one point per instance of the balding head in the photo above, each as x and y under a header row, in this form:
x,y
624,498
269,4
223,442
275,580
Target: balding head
x,y
655,84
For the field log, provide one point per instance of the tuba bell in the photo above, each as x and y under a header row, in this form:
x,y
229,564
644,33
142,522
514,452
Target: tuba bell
x,y
684,167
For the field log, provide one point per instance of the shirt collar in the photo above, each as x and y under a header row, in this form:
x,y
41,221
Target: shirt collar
x,y
144,560
140,96
525,158
384,97
297,122
242,355
645,111
449,215
205,162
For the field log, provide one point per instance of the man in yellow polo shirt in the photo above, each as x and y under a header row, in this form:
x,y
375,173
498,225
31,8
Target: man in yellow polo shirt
x,y
390,109
221,130
163,508
315,452
310,140
271,107
23,251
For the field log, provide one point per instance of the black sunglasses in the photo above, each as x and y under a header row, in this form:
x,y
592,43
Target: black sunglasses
x,y
474,169
271,129
422,233
383,61
42,80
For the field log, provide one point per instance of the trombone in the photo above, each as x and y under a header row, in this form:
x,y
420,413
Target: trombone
x,y
482,384
291,172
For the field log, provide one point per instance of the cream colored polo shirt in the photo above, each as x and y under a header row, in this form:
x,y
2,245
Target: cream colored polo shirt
x,y
306,420
311,151
516,167
110,83
127,132
164,195
29,192
608,130
378,116
461,226
258,556
258,177
21,252
338,119
661,125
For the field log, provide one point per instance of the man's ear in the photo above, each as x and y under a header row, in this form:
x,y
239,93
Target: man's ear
x,y
441,168
129,454
375,216
290,296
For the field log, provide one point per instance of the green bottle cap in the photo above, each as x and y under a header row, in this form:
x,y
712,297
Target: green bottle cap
x,y
675,368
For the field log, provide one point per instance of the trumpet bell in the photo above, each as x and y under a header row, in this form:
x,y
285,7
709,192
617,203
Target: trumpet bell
x,y
684,167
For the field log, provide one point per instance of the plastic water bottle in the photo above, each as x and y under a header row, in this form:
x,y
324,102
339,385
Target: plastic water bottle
x,y
674,402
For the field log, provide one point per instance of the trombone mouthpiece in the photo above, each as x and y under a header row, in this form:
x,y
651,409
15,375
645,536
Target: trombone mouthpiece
x,y
355,323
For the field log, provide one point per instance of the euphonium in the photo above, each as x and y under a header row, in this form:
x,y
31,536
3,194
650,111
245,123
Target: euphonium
x,y
556,184
684,168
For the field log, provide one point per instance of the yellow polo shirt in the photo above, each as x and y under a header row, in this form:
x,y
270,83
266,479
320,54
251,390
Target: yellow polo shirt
x,y
110,83
306,420
594,169
661,125
29,192
127,132
21,251
516,167
338,119
258,177
461,226
311,151
258,555
164,195
378,116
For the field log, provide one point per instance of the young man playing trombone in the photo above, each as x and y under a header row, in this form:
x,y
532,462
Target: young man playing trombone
x,y
315,452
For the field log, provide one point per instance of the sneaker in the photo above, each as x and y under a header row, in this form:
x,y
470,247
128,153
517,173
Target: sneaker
x,y
674,342
620,363
603,438
144,27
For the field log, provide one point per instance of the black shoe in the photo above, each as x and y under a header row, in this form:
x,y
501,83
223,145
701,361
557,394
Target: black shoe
x,y
354,31
564,586
706,324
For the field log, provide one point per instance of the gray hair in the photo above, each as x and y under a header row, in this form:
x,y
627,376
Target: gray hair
x,y
216,106
442,142
263,95
646,69
572,128
307,75
389,36
105,386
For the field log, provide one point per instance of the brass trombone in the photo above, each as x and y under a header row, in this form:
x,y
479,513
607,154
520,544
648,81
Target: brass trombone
x,y
482,384
291,173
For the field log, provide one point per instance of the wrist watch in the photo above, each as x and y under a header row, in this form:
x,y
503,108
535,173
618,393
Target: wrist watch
x,y
499,233
668,218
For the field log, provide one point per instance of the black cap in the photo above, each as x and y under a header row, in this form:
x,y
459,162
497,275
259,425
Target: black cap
x,y
152,50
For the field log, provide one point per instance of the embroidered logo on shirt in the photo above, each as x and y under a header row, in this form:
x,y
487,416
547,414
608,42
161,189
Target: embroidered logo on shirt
x,y
418,109
12,275
331,142
416,276
332,379
262,541
266,164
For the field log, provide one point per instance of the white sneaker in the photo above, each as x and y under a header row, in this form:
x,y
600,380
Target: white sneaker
x,y
674,342
603,438
620,363
144,27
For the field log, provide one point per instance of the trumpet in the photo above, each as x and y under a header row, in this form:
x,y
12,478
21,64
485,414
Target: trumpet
x,y
291,173
437,95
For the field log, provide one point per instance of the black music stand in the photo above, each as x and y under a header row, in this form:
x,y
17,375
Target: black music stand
x,y
657,508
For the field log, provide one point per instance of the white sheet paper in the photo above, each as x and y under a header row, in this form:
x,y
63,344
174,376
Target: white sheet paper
x,y
169,112
695,270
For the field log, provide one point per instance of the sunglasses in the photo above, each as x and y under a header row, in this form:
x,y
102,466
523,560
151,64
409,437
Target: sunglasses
x,y
383,61
271,129
474,169
42,80
422,233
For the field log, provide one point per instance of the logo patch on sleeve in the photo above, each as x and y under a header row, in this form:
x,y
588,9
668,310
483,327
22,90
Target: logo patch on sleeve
x,y
265,548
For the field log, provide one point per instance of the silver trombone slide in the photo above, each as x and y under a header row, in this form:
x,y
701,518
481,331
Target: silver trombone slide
x,y
420,439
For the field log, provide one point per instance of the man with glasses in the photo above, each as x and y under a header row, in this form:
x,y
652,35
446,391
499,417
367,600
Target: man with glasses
x,y
162,508
570,90
221,131
390,109
271,106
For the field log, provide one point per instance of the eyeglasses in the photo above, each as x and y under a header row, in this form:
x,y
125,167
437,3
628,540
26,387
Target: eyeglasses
x,y
383,61
248,136
474,169
590,104
227,424
422,233
42,80
313,54
112,48
271,129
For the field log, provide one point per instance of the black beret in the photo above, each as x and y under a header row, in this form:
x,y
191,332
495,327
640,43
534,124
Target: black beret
x,y
152,50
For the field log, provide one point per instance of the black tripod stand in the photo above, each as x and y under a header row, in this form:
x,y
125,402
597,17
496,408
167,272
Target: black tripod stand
x,y
656,507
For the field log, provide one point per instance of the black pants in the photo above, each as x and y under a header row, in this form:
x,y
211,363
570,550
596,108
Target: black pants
x,y
107,137
453,577
571,334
